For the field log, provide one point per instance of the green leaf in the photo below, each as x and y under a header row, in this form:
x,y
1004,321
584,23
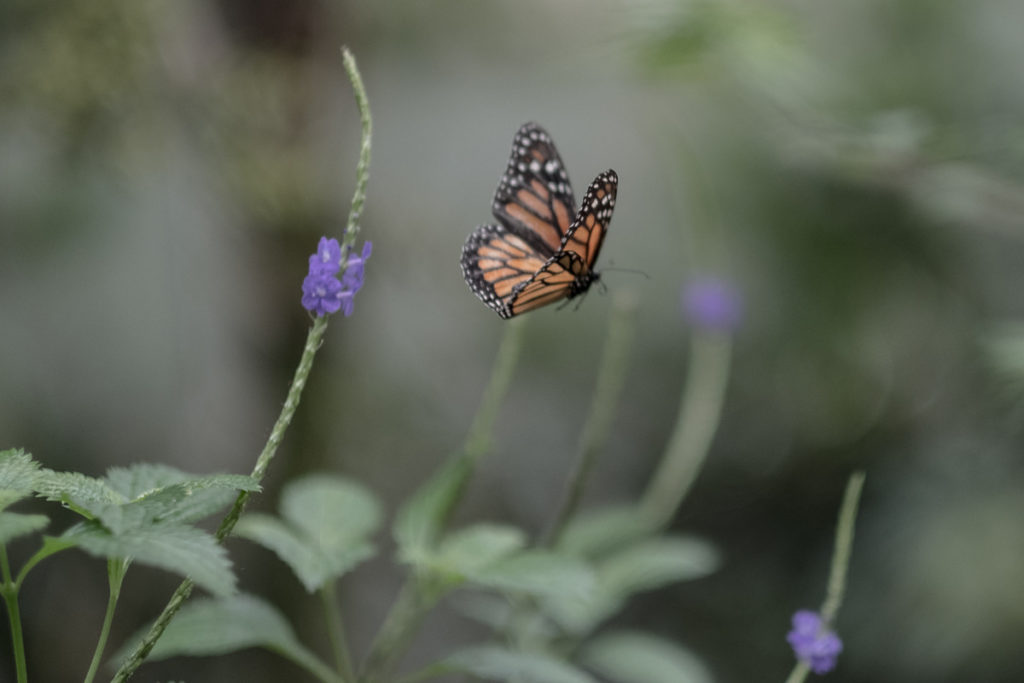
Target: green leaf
x,y
142,478
606,530
88,496
310,564
18,475
634,657
656,562
418,522
205,627
469,550
539,573
322,537
184,550
330,511
13,525
182,502
496,663
645,565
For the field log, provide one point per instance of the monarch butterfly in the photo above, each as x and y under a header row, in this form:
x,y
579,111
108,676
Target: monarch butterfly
x,y
542,249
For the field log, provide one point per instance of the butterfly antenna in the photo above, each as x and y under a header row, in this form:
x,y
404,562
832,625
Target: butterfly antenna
x,y
626,270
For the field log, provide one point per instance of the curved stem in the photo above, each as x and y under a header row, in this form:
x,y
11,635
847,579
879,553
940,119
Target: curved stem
x,y
610,379
699,413
416,598
9,589
799,673
843,547
313,341
116,569
336,632
363,167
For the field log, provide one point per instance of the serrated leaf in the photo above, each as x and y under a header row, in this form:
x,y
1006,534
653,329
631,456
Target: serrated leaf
x,y
634,657
205,627
330,511
141,478
184,502
184,550
471,549
88,496
18,475
13,525
538,573
603,531
312,567
500,664
419,520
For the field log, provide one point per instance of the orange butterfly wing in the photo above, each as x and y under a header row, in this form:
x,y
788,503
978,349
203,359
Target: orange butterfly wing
x,y
570,272
534,198
543,250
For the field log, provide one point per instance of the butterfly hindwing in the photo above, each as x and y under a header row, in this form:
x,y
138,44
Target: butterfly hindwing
x,y
534,197
495,262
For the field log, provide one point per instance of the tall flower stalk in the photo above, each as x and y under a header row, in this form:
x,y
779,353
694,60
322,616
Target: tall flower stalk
x,y
323,297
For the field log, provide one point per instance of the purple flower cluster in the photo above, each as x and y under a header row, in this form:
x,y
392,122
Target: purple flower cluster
x,y
813,643
322,292
712,304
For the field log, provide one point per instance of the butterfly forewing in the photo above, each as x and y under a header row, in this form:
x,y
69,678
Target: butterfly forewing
x,y
586,234
570,271
534,198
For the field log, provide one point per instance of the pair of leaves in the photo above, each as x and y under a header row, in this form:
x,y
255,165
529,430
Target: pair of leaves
x,y
323,530
145,512
486,555
628,558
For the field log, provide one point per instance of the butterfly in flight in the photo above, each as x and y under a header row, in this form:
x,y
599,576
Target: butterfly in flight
x,y
542,250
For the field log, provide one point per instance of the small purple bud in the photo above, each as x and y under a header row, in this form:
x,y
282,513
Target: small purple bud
x,y
813,643
712,304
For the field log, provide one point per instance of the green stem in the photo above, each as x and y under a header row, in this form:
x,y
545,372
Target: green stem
x,y
363,167
313,341
116,569
843,547
840,563
699,413
412,604
478,439
414,600
799,673
336,632
610,379
10,592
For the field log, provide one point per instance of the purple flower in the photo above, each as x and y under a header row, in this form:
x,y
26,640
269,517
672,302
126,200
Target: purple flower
x,y
322,291
813,643
327,258
712,304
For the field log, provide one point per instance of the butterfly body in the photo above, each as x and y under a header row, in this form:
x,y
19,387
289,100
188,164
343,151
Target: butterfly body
x,y
542,250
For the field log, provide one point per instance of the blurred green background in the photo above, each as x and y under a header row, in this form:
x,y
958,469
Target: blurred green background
x,y
854,167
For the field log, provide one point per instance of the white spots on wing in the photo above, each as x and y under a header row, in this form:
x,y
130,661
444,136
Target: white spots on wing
x,y
535,166
551,167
